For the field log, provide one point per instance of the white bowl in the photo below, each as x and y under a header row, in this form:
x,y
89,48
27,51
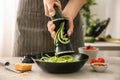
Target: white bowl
x,y
99,67
91,53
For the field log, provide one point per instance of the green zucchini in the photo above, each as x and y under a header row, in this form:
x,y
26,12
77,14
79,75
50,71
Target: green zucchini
x,y
89,39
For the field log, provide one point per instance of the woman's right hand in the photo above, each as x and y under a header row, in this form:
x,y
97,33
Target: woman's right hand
x,y
51,27
49,7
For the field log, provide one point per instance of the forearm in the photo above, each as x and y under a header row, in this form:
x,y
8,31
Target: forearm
x,y
72,8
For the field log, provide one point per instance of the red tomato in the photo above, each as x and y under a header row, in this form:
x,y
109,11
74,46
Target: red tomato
x,y
102,60
93,61
90,47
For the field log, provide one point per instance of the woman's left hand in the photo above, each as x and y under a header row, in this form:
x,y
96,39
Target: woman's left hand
x,y
49,6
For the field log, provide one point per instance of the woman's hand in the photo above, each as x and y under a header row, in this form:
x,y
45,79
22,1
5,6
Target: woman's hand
x,y
49,6
71,27
51,27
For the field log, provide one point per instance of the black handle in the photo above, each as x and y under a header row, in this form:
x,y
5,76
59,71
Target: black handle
x,y
4,63
58,13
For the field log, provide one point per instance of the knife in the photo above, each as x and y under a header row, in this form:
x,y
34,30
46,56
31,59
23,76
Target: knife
x,y
8,66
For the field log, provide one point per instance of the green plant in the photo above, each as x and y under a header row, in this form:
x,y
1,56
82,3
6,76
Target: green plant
x,y
93,27
86,12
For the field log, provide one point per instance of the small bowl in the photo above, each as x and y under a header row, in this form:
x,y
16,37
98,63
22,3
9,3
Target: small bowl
x,y
91,53
99,67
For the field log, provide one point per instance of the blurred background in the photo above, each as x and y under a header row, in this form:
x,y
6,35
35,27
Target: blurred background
x,y
8,8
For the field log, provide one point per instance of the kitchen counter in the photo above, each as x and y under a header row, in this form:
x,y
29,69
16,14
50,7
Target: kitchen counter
x,y
105,45
86,72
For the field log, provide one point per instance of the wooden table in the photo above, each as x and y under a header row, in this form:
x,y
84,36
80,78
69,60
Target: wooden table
x,y
86,73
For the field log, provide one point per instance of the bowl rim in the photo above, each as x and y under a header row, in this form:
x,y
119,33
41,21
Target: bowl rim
x,y
92,64
87,57
36,60
96,49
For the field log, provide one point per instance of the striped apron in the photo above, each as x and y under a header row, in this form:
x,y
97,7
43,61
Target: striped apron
x,y
32,36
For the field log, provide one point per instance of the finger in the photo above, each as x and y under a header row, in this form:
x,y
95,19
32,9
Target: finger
x,y
51,8
69,32
46,10
58,4
53,34
49,23
71,26
51,28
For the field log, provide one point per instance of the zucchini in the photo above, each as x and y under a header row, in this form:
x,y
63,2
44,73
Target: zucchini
x,y
62,36
99,28
89,39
